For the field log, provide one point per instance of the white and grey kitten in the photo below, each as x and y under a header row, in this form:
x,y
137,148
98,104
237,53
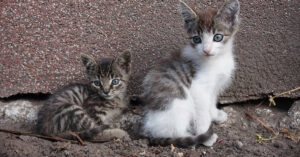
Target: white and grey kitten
x,y
181,93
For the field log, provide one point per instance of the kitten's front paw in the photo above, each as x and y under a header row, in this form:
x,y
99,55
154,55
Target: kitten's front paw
x,y
211,140
119,133
111,134
221,117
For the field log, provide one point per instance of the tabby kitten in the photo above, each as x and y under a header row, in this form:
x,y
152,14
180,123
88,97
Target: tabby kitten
x,y
89,109
180,94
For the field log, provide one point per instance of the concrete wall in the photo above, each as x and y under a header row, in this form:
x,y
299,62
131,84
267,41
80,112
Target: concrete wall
x,y
41,42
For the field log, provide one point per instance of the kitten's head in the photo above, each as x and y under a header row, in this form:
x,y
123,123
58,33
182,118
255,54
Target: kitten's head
x,y
210,30
109,77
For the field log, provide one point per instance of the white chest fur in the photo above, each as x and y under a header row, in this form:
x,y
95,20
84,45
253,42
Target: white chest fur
x,y
213,76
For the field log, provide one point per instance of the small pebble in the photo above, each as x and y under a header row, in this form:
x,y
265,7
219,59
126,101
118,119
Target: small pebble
x,y
276,145
294,114
239,144
24,138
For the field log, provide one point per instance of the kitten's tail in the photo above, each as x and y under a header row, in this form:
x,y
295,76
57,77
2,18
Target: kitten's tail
x,y
207,139
136,100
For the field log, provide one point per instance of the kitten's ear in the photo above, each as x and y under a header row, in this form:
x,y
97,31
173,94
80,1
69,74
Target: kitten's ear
x,y
124,61
229,14
89,63
189,16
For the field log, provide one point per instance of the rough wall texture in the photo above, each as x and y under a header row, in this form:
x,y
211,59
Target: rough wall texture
x,y
41,42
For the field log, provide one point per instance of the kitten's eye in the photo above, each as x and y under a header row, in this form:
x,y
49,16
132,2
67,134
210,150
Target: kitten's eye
x,y
97,83
115,81
197,39
218,37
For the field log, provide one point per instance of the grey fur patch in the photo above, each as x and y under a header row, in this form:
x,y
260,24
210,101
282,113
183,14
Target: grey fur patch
x,y
90,64
189,16
227,17
167,82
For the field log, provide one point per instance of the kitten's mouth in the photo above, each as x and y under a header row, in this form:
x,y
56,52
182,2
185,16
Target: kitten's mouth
x,y
107,96
208,54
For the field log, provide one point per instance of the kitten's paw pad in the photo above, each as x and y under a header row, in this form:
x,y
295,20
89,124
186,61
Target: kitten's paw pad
x,y
222,116
211,140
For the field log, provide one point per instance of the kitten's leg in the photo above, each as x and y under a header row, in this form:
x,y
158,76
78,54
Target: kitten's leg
x,y
79,122
211,140
202,122
203,116
85,135
169,123
218,115
203,125
110,134
93,132
70,117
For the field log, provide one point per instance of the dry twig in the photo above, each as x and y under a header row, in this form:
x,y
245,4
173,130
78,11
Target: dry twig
x,y
220,140
98,141
77,137
288,134
50,138
262,123
271,98
260,139
256,106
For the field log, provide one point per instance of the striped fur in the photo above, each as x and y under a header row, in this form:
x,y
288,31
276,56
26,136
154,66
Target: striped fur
x,y
180,94
89,109
167,81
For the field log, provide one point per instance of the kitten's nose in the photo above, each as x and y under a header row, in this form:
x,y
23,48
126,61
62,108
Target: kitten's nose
x,y
106,91
206,52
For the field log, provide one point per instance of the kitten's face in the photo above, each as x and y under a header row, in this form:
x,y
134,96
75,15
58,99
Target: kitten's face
x,y
210,30
108,81
209,43
109,78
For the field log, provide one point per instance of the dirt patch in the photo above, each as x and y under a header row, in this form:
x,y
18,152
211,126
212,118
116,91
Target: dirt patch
x,y
236,137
